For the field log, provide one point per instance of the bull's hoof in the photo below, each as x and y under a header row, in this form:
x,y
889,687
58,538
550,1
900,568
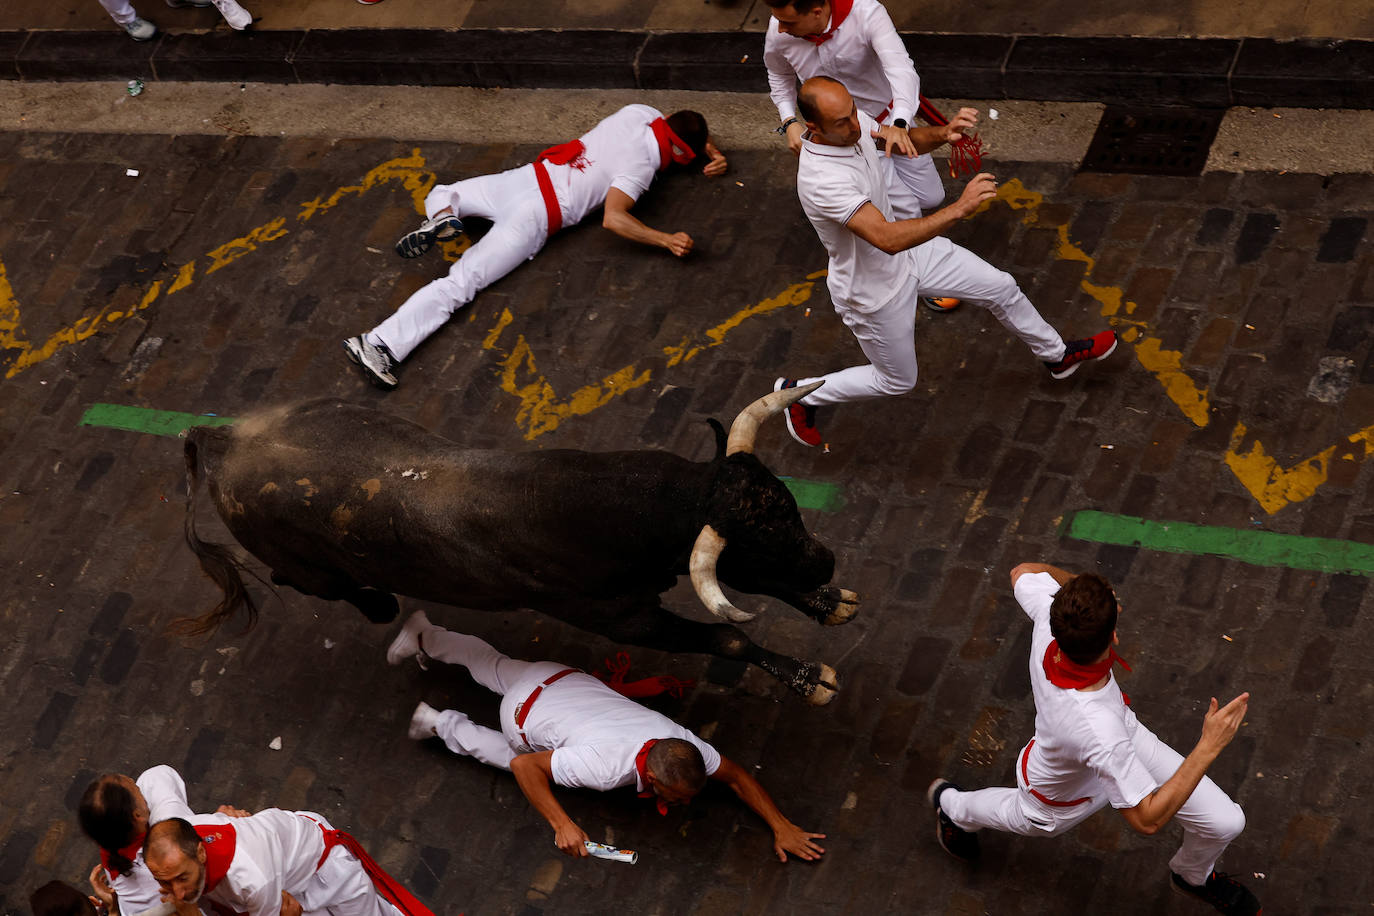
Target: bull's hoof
x,y
826,686
846,607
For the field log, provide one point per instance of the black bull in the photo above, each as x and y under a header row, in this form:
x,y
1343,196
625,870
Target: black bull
x,y
345,503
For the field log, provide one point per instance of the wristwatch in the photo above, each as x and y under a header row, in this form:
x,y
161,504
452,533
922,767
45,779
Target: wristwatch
x,y
782,130
899,123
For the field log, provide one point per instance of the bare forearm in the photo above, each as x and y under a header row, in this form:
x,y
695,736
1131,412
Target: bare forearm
x,y
535,784
908,233
927,139
759,801
627,226
1160,806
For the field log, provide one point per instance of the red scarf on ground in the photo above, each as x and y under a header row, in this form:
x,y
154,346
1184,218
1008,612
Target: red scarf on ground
x,y
386,885
839,12
1063,671
641,765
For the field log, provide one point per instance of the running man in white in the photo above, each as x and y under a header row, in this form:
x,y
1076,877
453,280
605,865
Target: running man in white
x,y
610,166
879,265
563,726
1090,751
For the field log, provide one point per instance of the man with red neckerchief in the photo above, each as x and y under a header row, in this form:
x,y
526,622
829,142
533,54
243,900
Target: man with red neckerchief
x,y
1090,751
610,166
560,725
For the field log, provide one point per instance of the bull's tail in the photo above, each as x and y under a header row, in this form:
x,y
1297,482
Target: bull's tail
x,y
216,560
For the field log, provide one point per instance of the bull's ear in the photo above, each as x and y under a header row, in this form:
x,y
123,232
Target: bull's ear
x,y
719,430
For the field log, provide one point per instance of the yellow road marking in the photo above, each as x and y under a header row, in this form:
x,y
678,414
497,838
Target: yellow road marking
x,y
1275,486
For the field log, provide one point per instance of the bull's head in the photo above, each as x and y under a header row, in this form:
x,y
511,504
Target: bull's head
x,y
753,511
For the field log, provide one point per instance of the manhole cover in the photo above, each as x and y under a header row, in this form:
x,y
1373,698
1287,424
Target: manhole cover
x,y
1152,141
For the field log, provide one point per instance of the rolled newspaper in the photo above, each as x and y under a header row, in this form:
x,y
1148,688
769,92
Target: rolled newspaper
x,y
602,851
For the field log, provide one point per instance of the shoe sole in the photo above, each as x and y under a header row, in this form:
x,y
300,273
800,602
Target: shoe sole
x,y
416,242
1074,368
940,309
1191,896
357,360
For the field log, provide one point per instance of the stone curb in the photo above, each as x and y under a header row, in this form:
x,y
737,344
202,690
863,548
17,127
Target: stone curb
x,y
1201,72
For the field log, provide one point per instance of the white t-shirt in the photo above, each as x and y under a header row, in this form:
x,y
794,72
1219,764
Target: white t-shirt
x,y
865,53
1082,737
621,152
595,733
165,793
274,851
834,182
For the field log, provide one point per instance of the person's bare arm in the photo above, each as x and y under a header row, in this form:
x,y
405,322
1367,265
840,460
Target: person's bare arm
x,y
1024,569
625,224
533,773
869,224
787,836
1218,728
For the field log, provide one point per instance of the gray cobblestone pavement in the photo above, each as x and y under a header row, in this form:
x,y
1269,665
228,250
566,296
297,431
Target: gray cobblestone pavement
x,y
1251,280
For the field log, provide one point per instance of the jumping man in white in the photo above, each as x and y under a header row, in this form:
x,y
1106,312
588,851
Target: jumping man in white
x,y
1090,751
610,166
561,725
878,265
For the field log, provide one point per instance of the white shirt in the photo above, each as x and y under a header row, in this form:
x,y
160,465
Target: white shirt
x,y
834,182
165,792
621,152
1082,737
865,53
595,734
274,851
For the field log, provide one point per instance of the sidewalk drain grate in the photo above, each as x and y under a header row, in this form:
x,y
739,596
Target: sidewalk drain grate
x,y
1152,141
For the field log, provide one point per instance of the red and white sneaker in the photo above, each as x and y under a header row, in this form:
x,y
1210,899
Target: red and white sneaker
x,y
1077,352
801,420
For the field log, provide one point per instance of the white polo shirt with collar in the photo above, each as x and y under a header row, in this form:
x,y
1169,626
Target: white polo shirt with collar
x,y
834,182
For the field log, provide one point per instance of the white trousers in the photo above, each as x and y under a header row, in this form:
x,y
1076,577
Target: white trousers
x,y
520,227
341,887
887,334
121,11
1210,819
510,677
913,185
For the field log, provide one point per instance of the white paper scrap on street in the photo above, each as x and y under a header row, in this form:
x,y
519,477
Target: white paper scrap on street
x,y
132,173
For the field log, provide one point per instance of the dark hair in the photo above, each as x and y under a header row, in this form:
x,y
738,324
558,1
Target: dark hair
x,y
677,763
59,899
1083,617
801,6
806,98
691,127
106,814
176,831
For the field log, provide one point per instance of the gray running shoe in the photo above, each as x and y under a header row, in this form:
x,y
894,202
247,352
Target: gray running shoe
x,y
141,29
417,241
375,360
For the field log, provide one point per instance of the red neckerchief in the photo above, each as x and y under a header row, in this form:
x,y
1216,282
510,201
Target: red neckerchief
x,y
219,841
641,765
129,852
671,147
572,153
1063,671
839,11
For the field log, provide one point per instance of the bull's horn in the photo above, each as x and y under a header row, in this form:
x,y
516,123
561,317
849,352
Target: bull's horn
x,y
746,425
705,553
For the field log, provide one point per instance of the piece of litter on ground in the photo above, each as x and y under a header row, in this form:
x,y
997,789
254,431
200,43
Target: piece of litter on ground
x,y
1227,638
1259,775
992,114
1249,327
807,314
132,173
329,643
744,59
1107,447
275,743
739,184
374,250
1260,875
826,450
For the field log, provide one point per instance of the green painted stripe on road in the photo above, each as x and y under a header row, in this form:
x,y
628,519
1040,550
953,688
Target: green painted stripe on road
x,y
144,420
814,494
1262,548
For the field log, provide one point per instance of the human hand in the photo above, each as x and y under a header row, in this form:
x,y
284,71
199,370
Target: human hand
x,y
896,139
231,811
679,243
798,842
717,165
982,188
571,840
289,906
1219,726
959,124
795,131
100,884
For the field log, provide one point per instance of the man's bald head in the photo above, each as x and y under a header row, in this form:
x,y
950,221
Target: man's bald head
x,y
828,109
175,856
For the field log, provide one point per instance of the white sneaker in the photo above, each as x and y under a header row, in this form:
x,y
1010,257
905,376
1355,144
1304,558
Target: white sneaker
x,y
140,29
407,642
237,17
423,721
375,360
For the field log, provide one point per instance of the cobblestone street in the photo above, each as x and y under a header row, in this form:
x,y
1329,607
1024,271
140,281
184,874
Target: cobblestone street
x,y
226,273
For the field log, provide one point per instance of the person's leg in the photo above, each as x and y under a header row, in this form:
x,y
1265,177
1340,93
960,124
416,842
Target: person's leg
x,y
341,887
921,184
515,237
887,338
492,669
463,736
1210,819
1010,811
121,11
946,269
